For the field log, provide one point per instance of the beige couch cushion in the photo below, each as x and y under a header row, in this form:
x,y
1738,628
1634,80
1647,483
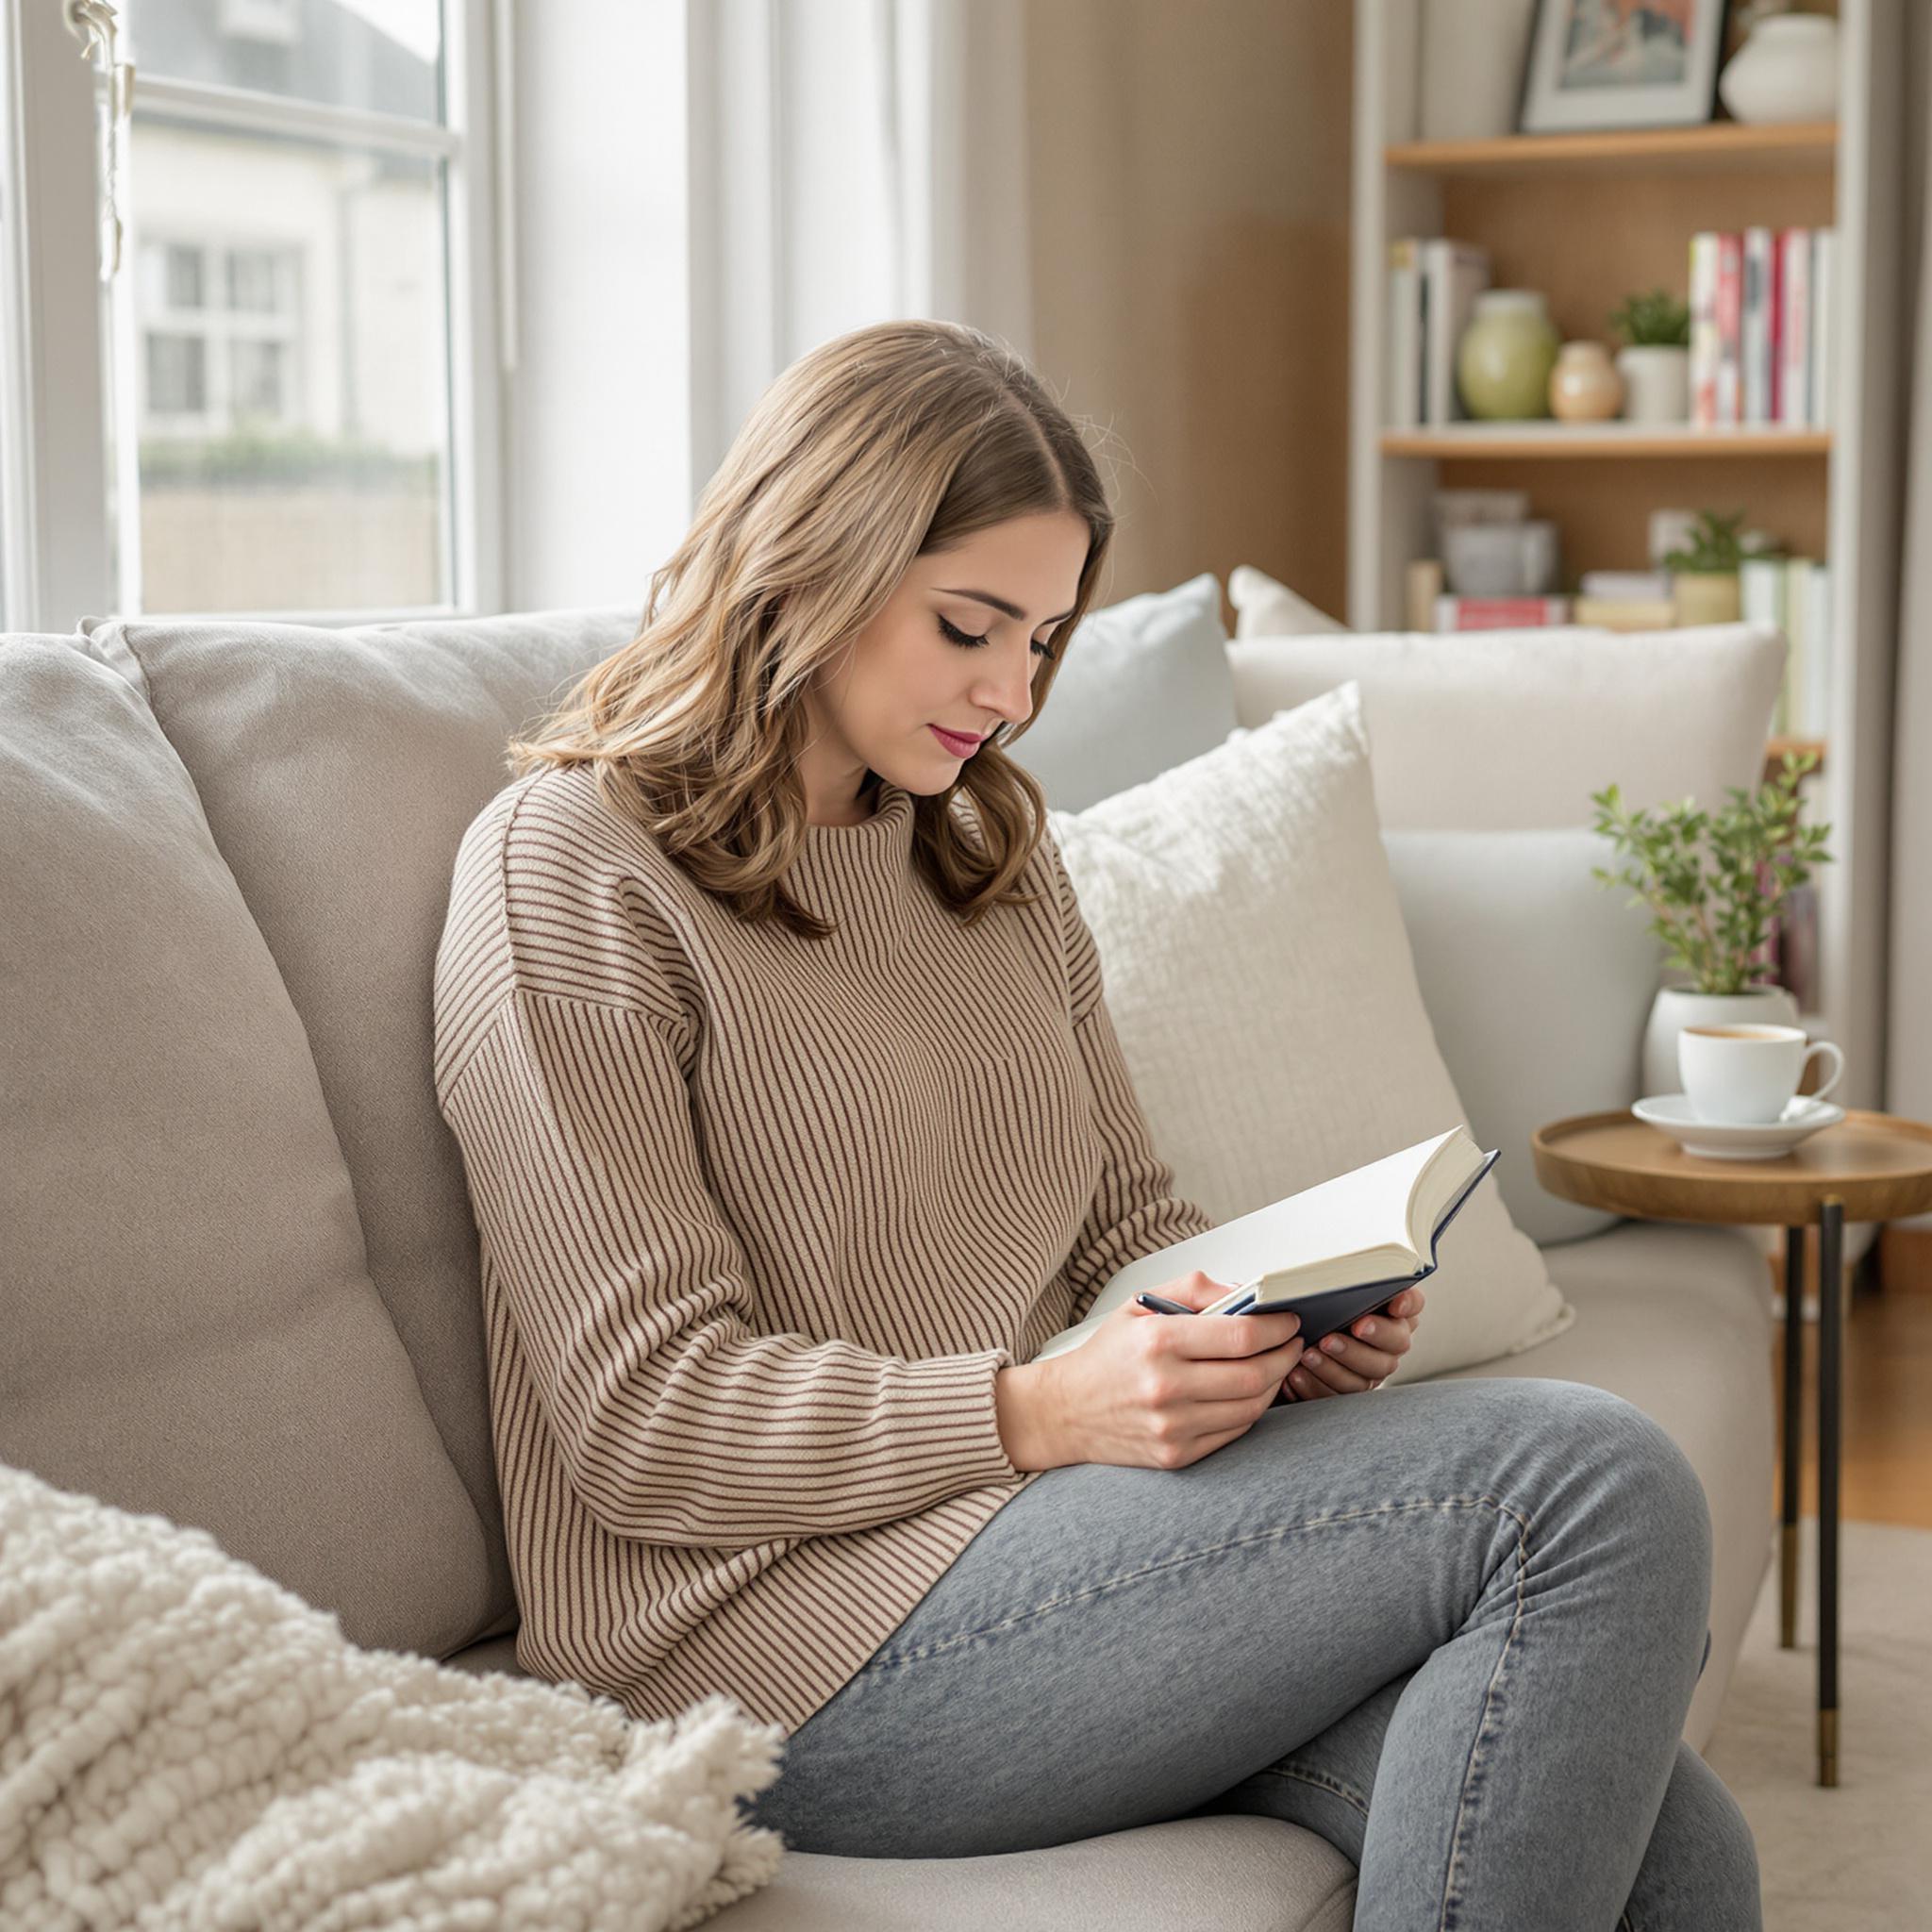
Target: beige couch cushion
x,y
338,769
191,1325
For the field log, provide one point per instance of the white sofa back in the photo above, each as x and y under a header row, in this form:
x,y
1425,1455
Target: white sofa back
x,y
1483,730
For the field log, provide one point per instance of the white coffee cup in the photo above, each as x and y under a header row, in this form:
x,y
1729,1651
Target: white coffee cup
x,y
1746,1074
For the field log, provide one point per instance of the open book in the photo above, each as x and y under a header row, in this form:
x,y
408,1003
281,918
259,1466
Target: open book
x,y
1332,1252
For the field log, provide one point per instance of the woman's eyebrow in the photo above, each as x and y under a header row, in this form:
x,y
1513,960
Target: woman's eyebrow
x,y
997,603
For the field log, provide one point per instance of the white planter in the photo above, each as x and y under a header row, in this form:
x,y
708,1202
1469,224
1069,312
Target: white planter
x,y
1656,382
1786,70
1676,1007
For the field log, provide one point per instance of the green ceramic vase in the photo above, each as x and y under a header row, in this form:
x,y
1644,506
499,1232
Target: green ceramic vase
x,y
1503,360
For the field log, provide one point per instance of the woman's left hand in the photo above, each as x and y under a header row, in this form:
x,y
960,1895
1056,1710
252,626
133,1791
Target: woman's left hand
x,y
1343,1365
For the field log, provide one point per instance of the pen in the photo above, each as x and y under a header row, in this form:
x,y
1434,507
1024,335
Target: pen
x,y
1161,1306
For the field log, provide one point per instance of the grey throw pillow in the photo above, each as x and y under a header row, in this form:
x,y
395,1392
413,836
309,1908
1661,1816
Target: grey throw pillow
x,y
1147,686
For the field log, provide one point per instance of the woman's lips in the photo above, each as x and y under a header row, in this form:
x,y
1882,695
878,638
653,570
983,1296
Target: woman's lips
x,y
959,747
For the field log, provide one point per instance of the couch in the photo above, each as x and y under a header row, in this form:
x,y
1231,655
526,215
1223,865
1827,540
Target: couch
x,y
242,1284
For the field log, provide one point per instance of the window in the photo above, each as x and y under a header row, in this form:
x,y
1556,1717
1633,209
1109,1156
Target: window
x,y
218,369
296,359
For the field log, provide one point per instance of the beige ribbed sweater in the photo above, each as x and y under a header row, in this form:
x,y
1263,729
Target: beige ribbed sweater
x,y
761,1220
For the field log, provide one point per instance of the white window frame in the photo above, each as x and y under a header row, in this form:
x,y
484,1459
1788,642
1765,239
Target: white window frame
x,y
54,563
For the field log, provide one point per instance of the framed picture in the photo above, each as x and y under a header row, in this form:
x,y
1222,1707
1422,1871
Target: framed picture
x,y
1622,63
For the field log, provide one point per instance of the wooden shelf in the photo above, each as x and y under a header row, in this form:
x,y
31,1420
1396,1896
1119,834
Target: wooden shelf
x,y
1616,439
1714,147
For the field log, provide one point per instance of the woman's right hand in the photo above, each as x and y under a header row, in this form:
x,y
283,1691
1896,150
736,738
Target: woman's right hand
x,y
1161,1392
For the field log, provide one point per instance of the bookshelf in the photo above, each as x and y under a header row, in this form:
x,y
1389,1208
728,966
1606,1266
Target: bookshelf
x,y
1590,218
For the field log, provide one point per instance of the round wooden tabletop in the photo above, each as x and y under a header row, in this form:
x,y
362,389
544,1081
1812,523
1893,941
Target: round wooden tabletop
x,y
1878,1165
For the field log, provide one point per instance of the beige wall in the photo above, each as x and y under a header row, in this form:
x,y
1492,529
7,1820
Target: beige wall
x,y
1191,167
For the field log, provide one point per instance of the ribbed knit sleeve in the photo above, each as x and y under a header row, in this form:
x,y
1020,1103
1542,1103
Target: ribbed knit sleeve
x,y
1135,1208
676,1422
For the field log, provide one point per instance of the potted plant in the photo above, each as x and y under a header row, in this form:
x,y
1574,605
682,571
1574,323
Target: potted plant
x,y
1655,361
1715,882
1704,581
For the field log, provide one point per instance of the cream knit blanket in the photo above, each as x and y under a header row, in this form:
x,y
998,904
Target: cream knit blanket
x,y
186,1746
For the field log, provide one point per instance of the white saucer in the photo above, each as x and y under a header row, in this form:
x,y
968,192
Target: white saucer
x,y
1742,1140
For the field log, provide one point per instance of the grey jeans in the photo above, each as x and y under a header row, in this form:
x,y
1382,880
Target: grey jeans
x,y
1452,1628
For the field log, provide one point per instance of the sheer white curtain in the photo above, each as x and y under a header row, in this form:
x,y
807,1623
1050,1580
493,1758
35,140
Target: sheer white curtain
x,y
1909,1020
850,160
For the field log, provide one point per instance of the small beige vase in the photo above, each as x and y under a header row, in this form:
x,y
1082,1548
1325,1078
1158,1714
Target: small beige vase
x,y
1585,386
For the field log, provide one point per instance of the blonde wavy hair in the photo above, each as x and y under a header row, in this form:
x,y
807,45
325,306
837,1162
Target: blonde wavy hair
x,y
889,443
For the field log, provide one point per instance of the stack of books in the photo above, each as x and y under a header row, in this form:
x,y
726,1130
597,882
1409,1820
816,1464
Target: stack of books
x,y
1626,599
1763,348
1794,593
1433,283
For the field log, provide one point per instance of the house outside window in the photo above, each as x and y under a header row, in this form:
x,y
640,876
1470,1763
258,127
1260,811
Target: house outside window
x,y
221,347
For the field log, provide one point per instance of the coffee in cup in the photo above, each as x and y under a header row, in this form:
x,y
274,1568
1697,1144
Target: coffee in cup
x,y
1747,1074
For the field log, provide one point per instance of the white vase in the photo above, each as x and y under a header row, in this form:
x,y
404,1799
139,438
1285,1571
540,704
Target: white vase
x,y
1678,1007
1786,70
1656,382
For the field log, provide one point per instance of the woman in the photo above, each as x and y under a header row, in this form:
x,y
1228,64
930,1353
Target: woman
x,y
775,1045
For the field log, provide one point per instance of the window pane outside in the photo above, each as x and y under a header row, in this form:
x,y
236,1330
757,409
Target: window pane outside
x,y
280,380
384,56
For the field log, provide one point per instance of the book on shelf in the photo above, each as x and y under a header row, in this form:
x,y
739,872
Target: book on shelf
x,y
1626,613
1404,372
1421,583
1433,281
1730,306
1761,345
1756,321
1627,585
1795,346
1333,1252
1824,363
1453,274
1814,597
1793,594
1500,614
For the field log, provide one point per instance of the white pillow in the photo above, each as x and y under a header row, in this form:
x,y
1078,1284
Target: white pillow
x,y
1258,973
1264,609
1146,683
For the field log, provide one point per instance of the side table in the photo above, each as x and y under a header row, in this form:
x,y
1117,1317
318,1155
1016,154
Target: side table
x,y
1866,1167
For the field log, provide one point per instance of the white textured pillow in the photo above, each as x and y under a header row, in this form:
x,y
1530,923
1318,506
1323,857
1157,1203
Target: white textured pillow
x,y
1265,609
1257,972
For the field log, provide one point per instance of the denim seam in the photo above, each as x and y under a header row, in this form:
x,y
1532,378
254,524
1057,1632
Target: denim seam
x,y
1451,1899
1321,1780
1346,1518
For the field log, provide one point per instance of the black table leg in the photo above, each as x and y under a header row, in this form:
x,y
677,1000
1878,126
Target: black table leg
x,y
1794,1436
1831,1228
